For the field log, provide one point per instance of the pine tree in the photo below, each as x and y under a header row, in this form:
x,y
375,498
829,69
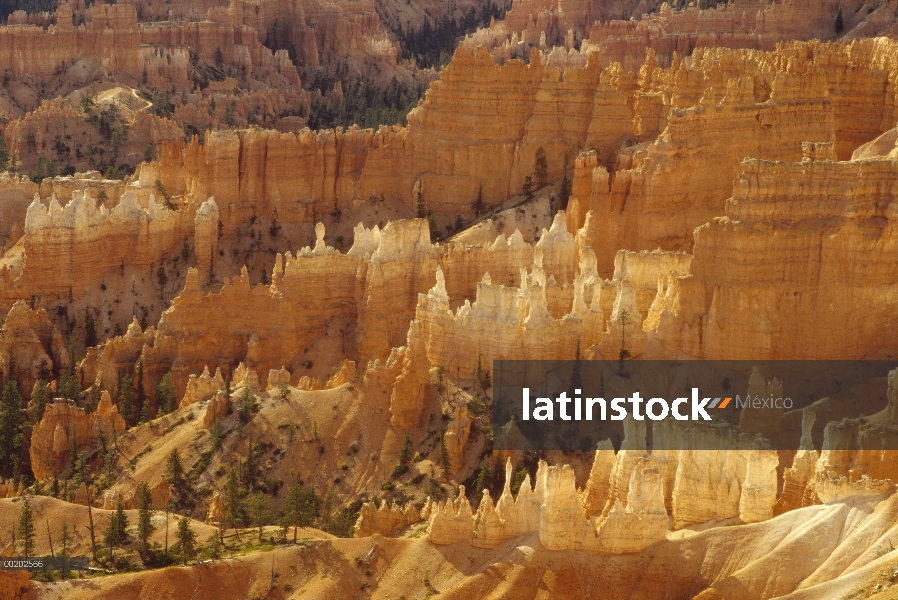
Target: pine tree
x,y
41,397
565,185
69,386
115,534
4,154
260,511
517,479
64,539
232,506
405,456
13,429
419,203
141,405
90,328
478,202
485,476
165,394
13,422
126,405
290,515
216,435
840,23
26,528
186,539
246,405
144,517
444,461
541,168
250,472
174,474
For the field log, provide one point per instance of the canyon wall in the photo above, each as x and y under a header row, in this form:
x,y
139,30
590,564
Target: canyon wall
x,y
834,221
442,152
111,34
69,249
659,136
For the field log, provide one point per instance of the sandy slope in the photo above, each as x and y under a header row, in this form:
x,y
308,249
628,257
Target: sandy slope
x,y
834,551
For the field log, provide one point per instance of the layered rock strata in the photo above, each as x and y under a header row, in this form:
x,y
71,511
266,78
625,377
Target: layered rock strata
x,y
65,428
833,220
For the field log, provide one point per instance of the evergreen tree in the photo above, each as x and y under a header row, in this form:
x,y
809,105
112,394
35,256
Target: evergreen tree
x,y
140,397
144,517
249,471
477,205
165,394
115,534
186,539
246,405
4,154
64,539
565,185
126,405
419,203
174,474
405,453
541,168
41,397
13,428
90,328
405,456
215,547
216,435
300,506
232,505
444,461
92,399
260,511
840,23
26,528
517,478
69,386
485,476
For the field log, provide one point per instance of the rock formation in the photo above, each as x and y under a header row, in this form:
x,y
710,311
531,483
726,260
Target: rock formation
x,y
787,315
72,247
385,520
32,345
66,427
554,510
202,387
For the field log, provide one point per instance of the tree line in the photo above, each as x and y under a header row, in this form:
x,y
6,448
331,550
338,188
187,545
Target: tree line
x,y
7,7
432,45
364,103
